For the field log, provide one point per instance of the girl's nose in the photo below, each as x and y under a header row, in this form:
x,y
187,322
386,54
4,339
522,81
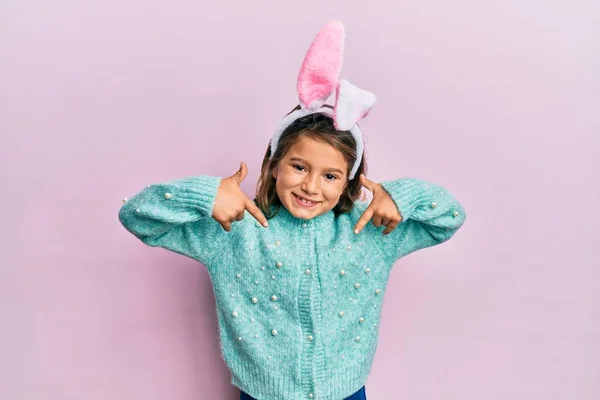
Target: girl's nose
x,y
311,184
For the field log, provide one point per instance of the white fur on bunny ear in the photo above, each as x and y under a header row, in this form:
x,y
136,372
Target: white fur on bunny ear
x,y
351,105
320,70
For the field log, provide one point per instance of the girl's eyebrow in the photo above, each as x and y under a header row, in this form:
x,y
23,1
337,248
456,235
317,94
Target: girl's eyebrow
x,y
298,159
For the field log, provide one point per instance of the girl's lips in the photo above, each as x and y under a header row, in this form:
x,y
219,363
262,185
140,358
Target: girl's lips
x,y
302,204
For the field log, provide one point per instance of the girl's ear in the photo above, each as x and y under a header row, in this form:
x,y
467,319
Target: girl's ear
x,y
274,172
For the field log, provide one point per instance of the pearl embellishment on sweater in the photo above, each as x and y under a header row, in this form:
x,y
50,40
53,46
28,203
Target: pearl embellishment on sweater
x,y
234,314
342,272
273,298
255,300
274,332
433,205
168,195
279,264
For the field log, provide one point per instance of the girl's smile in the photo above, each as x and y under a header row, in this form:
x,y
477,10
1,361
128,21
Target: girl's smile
x,y
303,202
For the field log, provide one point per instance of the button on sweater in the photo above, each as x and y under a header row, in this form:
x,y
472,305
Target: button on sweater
x,y
298,303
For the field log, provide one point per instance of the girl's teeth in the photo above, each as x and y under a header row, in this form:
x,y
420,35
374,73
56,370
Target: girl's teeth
x,y
305,201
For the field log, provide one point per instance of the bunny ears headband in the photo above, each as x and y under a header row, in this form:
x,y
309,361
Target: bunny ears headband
x,y
318,78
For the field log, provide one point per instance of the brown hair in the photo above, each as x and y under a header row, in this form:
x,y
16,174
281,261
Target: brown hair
x,y
319,127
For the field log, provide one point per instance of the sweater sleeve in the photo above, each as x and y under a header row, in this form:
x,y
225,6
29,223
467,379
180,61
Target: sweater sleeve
x,y
430,216
177,215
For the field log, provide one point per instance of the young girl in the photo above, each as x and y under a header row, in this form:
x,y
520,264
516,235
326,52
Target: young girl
x,y
299,275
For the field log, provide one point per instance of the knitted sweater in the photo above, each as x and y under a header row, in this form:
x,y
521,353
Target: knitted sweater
x,y
298,303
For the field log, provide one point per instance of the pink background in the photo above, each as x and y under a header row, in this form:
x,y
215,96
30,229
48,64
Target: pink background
x,y
496,100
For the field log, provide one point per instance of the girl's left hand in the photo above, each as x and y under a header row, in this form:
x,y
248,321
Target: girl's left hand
x,y
382,209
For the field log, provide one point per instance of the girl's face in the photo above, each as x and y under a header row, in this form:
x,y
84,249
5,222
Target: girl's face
x,y
310,178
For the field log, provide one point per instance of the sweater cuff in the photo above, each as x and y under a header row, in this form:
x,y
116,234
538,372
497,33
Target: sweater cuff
x,y
408,194
197,192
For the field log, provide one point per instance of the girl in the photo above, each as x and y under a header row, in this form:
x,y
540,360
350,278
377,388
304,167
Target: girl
x,y
299,290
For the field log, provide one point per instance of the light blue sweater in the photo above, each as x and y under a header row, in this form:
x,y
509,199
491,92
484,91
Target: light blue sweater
x,y
299,302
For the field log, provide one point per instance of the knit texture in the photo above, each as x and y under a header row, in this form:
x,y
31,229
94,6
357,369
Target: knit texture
x,y
298,303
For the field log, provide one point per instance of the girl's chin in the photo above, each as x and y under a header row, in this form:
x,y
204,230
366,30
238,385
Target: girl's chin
x,y
305,213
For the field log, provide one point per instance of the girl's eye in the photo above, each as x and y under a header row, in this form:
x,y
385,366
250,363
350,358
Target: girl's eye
x,y
299,167
330,177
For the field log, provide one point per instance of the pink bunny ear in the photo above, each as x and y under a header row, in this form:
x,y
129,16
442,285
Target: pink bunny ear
x,y
319,73
351,105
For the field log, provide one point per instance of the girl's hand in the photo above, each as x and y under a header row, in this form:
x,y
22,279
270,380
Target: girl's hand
x,y
231,202
382,209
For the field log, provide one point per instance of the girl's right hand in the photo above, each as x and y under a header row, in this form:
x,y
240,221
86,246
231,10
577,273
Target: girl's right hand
x,y
231,202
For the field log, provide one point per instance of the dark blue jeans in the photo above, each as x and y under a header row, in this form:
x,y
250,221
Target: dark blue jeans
x,y
360,395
